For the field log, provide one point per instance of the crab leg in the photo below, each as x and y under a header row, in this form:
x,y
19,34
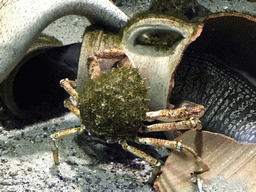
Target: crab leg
x,y
68,103
192,123
176,145
109,54
156,163
61,134
69,85
140,153
96,68
186,111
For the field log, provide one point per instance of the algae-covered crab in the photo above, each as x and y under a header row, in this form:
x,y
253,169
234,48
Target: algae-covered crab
x,y
113,107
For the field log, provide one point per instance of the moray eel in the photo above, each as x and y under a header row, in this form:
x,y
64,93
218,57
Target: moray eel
x,y
228,97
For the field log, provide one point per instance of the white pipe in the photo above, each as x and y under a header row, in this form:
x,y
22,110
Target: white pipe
x,y
21,21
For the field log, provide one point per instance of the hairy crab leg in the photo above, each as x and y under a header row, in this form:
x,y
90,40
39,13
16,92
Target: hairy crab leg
x,y
192,123
185,112
140,153
95,67
60,134
68,103
153,161
176,145
109,54
69,85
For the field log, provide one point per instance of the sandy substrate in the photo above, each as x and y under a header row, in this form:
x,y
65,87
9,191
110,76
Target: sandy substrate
x,y
86,165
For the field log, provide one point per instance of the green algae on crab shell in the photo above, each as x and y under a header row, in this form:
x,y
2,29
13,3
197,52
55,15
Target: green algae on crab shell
x,y
114,104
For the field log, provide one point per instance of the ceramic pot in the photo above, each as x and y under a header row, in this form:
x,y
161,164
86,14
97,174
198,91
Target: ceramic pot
x,y
154,43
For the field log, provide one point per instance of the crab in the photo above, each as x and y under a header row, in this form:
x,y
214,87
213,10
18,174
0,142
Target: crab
x,y
113,107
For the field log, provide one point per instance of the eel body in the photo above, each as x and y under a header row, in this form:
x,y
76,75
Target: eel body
x,y
228,97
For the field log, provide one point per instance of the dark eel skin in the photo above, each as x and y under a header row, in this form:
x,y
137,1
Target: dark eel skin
x,y
228,97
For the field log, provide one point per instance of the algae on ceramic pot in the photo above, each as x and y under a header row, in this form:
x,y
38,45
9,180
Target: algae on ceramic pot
x,y
114,104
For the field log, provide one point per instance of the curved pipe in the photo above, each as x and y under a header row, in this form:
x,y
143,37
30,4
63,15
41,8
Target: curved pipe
x,y
22,21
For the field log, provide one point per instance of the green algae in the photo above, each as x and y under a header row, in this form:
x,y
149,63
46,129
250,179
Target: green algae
x,y
114,104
